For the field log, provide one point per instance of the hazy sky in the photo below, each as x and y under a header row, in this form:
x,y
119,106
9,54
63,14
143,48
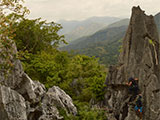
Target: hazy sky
x,y
54,10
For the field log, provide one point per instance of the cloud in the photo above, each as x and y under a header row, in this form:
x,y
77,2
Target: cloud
x,y
53,10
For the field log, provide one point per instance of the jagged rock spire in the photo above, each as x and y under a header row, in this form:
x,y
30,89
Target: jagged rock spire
x,y
139,58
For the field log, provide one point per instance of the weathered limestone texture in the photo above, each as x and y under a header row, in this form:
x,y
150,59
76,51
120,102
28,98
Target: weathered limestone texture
x,y
24,99
139,58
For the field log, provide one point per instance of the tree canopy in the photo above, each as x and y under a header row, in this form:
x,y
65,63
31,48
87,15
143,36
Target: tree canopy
x,y
36,35
6,32
37,41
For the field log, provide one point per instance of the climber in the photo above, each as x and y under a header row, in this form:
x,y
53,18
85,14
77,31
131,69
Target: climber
x,y
133,87
138,106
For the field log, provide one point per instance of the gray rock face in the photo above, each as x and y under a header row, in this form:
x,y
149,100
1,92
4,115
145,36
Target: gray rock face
x,y
42,111
30,90
139,58
24,99
31,102
61,99
15,76
12,105
47,108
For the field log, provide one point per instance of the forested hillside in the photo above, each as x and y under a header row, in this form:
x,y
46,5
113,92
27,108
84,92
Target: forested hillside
x,y
39,80
73,30
37,41
82,77
104,44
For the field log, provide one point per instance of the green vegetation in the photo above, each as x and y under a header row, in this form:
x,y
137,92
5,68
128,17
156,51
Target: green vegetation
x,y
81,76
43,62
106,52
104,44
151,42
6,32
85,113
36,35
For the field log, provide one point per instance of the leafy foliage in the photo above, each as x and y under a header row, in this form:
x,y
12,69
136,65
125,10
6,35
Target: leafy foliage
x,y
78,74
36,35
47,68
37,41
82,77
85,75
104,45
6,32
85,112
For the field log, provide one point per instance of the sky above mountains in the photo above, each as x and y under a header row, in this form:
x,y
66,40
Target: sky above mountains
x,y
54,10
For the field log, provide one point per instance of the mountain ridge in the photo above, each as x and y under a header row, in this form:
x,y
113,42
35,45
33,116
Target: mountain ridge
x,y
83,44
76,29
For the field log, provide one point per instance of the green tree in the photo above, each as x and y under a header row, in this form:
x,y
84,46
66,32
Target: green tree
x,y
36,35
80,76
48,68
87,77
6,31
37,41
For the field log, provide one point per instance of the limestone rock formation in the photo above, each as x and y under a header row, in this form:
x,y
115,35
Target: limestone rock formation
x,y
24,99
61,99
53,99
15,76
12,105
140,59
30,90
31,102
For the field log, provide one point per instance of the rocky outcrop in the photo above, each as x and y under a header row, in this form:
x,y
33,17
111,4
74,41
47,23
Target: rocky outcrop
x,y
12,105
51,101
24,99
60,99
139,58
14,77
30,90
31,101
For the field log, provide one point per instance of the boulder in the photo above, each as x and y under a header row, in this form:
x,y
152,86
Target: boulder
x,y
12,105
48,107
59,98
42,111
21,98
30,90
139,58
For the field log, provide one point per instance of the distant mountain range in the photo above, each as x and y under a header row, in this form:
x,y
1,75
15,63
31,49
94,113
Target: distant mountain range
x,y
105,43
76,29
157,20
122,22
